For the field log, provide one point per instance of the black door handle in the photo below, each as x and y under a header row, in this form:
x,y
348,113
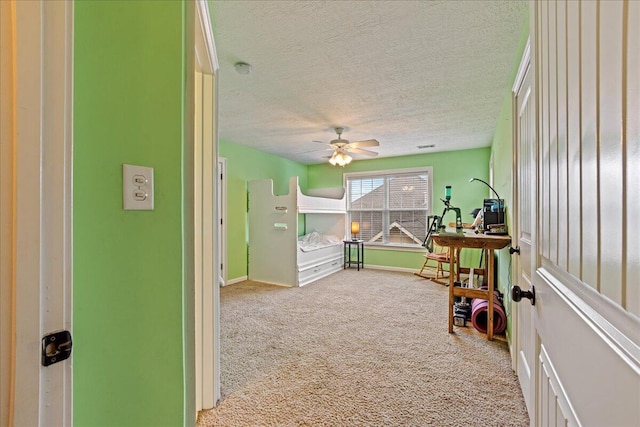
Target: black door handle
x,y
517,294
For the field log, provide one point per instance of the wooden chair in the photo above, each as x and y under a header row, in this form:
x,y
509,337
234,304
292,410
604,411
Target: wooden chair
x,y
439,256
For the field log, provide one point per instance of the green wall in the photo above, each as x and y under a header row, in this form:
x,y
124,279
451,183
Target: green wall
x,y
243,165
129,363
502,162
127,275
447,167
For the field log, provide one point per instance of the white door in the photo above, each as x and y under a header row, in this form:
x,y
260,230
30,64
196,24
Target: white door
x,y
36,162
585,263
524,226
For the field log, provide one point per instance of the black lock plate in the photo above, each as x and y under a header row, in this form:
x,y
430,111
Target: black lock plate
x,y
56,347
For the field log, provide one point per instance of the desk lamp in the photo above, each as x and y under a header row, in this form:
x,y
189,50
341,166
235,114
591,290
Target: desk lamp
x,y
500,219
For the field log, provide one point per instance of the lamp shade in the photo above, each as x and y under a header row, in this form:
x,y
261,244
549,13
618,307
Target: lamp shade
x,y
355,227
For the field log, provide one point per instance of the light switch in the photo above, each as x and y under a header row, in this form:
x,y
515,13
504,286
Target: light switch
x,y
137,188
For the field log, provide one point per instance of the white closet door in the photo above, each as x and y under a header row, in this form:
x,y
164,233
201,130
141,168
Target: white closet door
x,y
524,227
585,267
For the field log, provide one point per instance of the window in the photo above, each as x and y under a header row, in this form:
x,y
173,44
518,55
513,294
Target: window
x,y
391,206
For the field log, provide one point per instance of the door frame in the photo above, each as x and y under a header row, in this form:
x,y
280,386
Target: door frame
x,y
222,215
523,68
527,345
41,217
6,213
205,213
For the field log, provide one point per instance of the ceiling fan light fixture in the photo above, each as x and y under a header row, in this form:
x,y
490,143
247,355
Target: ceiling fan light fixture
x,y
342,146
340,159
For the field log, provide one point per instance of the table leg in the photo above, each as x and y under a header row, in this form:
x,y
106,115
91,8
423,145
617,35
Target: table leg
x,y
451,298
344,265
457,262
491,295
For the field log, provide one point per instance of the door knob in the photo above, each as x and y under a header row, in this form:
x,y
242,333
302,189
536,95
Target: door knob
x,y
517,294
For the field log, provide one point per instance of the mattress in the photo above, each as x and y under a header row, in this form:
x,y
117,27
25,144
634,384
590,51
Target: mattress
x,y
315,241
317,247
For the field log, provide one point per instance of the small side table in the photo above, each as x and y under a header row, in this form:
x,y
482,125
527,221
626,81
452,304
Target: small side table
x,y
359,261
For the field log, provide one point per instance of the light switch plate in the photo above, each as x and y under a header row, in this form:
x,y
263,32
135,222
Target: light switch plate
x,y
137,188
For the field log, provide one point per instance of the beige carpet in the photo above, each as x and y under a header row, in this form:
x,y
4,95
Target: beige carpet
x,y
358,348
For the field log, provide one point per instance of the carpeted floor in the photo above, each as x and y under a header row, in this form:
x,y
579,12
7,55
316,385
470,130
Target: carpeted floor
x,y
358,348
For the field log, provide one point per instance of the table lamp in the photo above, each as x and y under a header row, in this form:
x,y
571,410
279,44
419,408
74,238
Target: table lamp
x,y
355,229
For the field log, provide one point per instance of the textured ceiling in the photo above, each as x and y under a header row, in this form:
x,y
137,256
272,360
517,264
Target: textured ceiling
x,y
406,73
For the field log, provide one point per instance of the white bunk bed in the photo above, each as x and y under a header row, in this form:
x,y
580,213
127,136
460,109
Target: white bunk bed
x,y
275,223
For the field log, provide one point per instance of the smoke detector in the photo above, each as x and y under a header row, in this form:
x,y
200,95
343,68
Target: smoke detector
x,y
242,67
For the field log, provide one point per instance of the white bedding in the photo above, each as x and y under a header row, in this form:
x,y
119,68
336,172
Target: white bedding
x,y
314,241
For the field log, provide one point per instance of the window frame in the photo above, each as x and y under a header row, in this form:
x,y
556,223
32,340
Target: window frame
x,y
424,170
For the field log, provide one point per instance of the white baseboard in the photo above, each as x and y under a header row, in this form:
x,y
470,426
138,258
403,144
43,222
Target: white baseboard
x,y
368,266
512,350
236,280
387,268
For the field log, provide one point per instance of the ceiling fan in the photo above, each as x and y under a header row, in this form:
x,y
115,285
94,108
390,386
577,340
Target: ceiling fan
x,y
342,146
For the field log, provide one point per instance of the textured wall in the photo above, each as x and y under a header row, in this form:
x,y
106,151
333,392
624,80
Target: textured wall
x,y
407,73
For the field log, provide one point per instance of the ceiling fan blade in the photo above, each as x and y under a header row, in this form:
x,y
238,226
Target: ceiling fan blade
x,y
361,151
365,143
311,151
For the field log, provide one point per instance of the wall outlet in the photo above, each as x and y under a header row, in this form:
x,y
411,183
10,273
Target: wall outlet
x,y
137,188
